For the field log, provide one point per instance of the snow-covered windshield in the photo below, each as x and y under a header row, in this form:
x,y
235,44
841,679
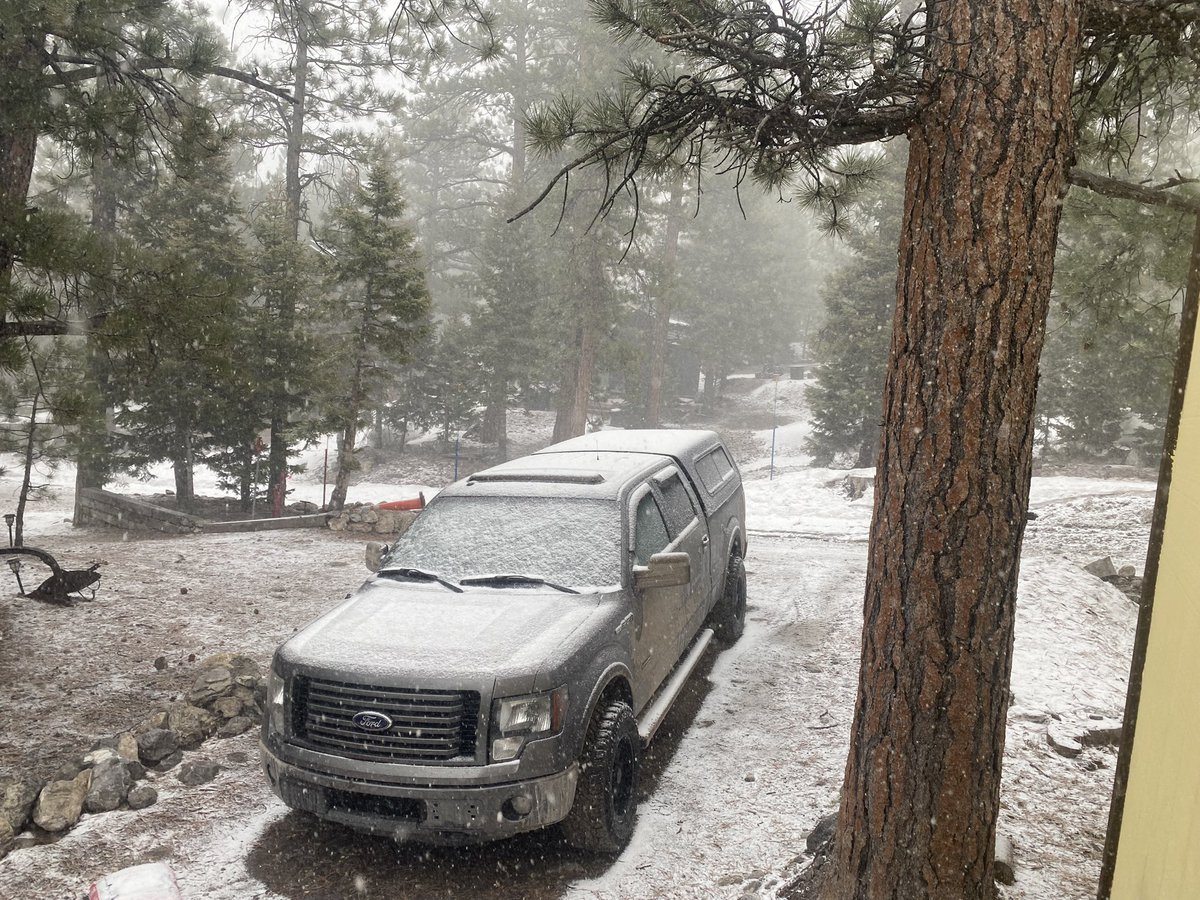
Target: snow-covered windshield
x,y
564,540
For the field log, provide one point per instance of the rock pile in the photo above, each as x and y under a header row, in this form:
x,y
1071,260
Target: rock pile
x,y
227,698
1125,579
368,519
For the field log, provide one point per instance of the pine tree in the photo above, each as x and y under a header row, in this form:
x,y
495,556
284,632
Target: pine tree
x,y
378,310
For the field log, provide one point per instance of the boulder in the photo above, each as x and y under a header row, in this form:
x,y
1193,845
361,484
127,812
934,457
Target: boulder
x,y
17,796
198,771
822,834
210,684
191,723
1062,743
103,755
1102,733
7,836
235,726
156,745
71,767
60,804
227,707
856,486
127,747
142,796
136,770
167,763
1003,870
110,785
1101,568
157,720
1127,572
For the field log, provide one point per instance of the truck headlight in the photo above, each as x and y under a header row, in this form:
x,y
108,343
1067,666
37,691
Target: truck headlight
x,y
275,710
516,720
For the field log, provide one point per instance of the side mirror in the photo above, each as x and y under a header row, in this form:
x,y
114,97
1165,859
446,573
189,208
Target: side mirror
x,y
374,555
663,570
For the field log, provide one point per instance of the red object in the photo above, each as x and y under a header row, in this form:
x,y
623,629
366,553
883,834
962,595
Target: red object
x,y
417,503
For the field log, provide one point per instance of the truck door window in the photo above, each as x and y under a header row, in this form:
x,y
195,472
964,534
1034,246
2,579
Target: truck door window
x,y
714,467
649,531
677,504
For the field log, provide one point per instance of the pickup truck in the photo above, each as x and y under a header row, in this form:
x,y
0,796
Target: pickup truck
x,y
517,647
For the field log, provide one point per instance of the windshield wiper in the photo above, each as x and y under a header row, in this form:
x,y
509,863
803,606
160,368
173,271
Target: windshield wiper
x,y
420,575
517,579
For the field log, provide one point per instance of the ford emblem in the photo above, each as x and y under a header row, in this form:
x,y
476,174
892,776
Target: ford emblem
x,y
371,721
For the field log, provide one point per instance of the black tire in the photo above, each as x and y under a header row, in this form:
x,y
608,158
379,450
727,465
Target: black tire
x,y
729,615
602,818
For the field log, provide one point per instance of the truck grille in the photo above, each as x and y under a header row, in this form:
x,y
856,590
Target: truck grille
x,y
427,726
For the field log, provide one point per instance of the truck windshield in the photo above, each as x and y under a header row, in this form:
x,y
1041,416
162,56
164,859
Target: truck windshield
x,y
563,540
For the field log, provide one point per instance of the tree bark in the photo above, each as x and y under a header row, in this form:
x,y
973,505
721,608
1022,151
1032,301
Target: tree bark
x,y
18,148
281,407
986,174
662,310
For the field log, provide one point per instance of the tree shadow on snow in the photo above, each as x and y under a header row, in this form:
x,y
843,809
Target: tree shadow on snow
x,y
300,856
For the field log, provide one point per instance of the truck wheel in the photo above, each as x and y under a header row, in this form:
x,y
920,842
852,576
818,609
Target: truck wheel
x,y
601,821
729,615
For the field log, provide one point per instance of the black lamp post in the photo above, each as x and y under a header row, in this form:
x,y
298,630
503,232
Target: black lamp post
x,y
9,518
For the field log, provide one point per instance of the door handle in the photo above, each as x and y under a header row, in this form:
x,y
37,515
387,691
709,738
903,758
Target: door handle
x,y
704,541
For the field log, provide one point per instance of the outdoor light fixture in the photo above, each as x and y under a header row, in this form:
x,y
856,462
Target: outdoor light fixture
x,y
9,518
14,563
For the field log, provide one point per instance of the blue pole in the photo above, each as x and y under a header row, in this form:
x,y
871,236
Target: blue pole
x,y
457,441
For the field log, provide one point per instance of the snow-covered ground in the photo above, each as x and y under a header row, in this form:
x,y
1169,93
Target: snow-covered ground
x,y
747,762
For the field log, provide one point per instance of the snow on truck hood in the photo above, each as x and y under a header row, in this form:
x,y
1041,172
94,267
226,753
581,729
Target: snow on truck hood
x,y
425,634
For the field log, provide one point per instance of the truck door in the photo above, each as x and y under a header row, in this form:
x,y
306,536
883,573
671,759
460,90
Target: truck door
x,y
688,531
656,609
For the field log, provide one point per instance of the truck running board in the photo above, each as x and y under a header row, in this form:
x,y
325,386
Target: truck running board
x,y
652,716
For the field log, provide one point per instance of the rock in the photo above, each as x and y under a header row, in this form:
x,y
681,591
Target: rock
x,y
69,769
244,694
136,770
110,784
17,796
856,486
1127,572
1105,733
191,723
60,804
1101,568
157,744
142,796
157,720
235,726
7,836
127,747
209,685
305,507
167,763
1147,516
160,662
103,755
1002,866
822,833
1062,743
198,771
227,707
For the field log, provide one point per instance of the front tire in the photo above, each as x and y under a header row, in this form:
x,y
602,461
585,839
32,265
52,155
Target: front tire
x,y
602,818
729,615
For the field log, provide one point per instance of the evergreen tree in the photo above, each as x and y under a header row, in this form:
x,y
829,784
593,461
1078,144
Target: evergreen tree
x,y
378,307
852,344
172,336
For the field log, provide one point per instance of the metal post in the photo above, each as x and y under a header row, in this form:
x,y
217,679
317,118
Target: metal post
x,y
774,427
325,473
457,442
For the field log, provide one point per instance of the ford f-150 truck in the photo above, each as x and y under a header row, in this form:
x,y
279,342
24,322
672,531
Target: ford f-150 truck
x,y
517,647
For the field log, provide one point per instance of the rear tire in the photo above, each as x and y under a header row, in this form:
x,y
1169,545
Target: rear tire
x,y
602,818
729,615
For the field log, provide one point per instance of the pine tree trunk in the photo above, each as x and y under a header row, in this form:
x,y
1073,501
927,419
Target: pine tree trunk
x,y
281,405
662,310
345,466
379,437
182,465
27,474
985,178
500,405
18,149
91,461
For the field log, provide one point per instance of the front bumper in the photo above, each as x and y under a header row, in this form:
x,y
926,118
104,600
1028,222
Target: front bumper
x,y
451,814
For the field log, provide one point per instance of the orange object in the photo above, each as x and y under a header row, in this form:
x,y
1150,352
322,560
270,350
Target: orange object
x,y
417,503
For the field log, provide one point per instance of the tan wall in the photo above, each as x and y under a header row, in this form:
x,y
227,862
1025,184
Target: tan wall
x,y
1158,855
